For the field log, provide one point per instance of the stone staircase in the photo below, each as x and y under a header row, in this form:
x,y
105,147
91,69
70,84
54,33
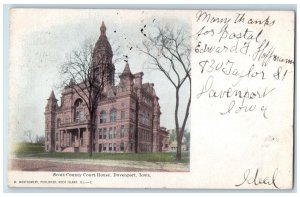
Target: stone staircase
x,y
69,150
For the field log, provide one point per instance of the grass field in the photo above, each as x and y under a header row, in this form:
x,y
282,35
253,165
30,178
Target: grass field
x,y
23,150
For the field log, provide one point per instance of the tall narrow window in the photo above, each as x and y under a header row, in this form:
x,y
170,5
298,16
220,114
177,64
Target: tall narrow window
x,y
58,123
122,146
100,133
114,147
122,115
143,118
100,147
110,133
122,131
79,115
110,146
148,119
103,117
131,146
132,131
113,115
115,132
104,133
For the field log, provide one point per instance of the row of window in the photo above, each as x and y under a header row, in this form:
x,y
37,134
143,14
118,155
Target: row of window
x,y
145,147
56,137
79,117
145,117
112,116
113,147
110,147
111,133
103,133
145,135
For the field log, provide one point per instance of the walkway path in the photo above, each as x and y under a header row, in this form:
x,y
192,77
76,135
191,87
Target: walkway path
x,y
52,164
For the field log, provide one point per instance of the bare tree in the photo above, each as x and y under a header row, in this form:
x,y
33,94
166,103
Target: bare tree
x,y
169,52
28,136
40,139
86,75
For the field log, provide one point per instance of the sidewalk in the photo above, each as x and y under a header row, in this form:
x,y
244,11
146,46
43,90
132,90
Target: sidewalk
x,y
53,164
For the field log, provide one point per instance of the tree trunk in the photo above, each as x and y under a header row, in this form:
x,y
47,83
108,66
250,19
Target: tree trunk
x,y
178,153
90,138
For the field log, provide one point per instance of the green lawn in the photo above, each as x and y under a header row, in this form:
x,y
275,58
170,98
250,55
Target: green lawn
x,y
37,150
28,148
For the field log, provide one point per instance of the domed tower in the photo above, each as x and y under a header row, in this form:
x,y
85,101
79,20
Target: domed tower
x,y
102,58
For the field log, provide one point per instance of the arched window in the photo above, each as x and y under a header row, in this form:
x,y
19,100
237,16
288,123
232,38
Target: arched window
x,y
58,122
122,146
78,110
78,103
102,117
113,115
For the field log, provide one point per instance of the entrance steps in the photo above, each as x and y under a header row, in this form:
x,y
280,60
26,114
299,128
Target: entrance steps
x,y
69,150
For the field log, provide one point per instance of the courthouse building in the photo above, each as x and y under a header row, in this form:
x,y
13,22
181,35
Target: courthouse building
x,y
128,114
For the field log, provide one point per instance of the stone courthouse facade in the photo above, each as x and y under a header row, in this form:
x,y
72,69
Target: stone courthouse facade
x,y
128,114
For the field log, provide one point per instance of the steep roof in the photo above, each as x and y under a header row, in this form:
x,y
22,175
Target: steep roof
x,y
103,44
52,96
127,69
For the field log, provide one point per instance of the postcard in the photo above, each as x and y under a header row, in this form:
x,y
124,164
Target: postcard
x,y
193,99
